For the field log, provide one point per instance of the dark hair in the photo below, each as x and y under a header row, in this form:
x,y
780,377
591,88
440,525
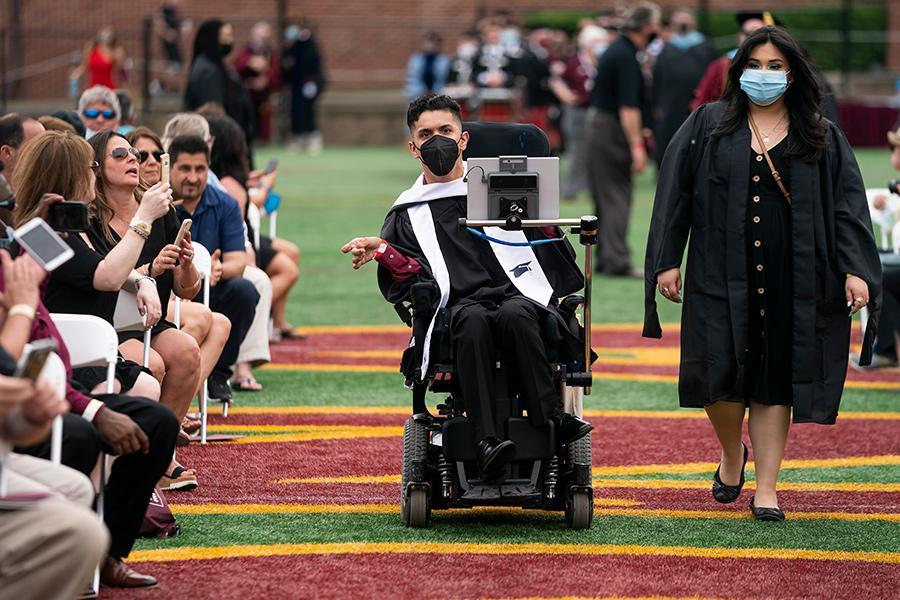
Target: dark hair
x,y
640,16
428,102
72,118
803,97
229,157
187,144
125,104
12,132
101,207
206,42
143,132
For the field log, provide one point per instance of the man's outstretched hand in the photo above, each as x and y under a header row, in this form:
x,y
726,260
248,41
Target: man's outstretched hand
x,y
361,249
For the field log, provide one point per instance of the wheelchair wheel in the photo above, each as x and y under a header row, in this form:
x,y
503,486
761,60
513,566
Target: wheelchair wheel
x,y
580,509
415,489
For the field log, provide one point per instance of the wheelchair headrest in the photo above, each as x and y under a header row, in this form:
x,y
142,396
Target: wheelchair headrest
x,y
488,140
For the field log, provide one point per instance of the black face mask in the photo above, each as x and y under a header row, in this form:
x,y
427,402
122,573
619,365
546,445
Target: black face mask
x,y
439,154
225,49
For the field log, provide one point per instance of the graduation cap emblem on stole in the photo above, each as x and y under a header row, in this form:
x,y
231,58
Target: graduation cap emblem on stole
x,y
520,269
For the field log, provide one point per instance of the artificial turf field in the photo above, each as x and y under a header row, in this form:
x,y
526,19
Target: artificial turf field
x,y
306,503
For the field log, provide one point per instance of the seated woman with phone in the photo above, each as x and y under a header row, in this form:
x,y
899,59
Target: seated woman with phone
x,y
174,355
209,329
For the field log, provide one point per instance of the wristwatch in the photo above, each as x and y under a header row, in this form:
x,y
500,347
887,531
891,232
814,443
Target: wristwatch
x,y
142,228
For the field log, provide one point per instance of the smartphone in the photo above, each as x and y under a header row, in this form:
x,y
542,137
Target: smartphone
x,y
185,227
68,216
271,166
32,362
164,168
43,244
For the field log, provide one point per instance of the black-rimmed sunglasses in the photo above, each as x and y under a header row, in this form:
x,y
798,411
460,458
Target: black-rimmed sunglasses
x,y
143,155
121,153
92,113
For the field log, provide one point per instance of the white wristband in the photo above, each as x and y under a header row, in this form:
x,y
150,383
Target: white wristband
x,y
91,410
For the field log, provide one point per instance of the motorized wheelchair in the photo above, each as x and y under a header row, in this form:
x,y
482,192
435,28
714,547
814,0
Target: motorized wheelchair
x,y
440,466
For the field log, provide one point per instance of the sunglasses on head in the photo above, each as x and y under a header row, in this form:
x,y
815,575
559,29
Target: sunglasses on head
x,y
93,113
143,155
120,153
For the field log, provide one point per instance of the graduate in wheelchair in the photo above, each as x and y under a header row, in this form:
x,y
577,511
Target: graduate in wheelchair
x,y
494,326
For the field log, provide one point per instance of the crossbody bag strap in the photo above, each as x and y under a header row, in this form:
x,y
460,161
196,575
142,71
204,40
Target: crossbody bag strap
x,y
775,175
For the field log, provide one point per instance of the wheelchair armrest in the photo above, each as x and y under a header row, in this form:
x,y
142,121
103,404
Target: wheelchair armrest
x,y
422,297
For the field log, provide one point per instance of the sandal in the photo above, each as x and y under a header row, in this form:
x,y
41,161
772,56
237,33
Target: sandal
x,y
724,493
245,383
190,425
291,333
182,439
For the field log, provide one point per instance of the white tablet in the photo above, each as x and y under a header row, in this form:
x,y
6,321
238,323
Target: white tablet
x,y
43,244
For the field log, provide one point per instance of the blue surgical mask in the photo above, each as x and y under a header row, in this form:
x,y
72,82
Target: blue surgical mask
x,y
764,87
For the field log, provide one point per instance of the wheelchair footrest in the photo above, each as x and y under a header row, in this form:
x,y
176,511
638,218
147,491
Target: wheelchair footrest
x,y
508,490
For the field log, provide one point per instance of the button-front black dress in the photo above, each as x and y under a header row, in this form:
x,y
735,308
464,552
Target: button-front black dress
x,y
770,278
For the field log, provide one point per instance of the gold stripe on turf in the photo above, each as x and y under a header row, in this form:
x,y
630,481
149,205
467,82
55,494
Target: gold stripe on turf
x,y
703,467
357,548
358,329
403,410
332,434
702,484
614,507
262,509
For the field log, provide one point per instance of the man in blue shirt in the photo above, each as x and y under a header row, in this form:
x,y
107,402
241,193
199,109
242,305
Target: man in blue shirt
x,y
218,226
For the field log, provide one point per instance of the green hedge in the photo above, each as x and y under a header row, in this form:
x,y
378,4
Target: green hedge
x,y
825,19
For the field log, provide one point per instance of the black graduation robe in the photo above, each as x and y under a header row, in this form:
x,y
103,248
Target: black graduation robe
x,y
475,273
702,192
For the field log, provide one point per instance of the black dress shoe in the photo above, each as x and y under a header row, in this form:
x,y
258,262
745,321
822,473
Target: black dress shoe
x,y
570,428
761,513
726,494
218,389
493,456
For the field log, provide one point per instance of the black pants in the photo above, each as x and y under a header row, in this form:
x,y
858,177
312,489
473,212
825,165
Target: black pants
x,y
236,299
609,168
133,477
516,324
890,313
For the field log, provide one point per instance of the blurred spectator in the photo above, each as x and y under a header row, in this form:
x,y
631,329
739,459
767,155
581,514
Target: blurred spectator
x,y
462,65
15,130
54,124
492,67
209,329
218,225
616,147
712,85
572,83
258,66
99,109
71,117
304,72
427,69
126,121
103,59
211,80
170,35
676,74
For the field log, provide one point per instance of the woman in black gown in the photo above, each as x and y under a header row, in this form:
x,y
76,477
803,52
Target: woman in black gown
x,y
779,259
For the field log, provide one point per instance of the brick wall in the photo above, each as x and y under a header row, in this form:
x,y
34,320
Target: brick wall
x,y
365,43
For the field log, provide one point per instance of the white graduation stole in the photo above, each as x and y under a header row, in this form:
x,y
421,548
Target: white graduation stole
x,y
518,262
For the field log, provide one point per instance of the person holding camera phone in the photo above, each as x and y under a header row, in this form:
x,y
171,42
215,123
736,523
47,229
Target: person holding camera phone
x,y
175,355
140,431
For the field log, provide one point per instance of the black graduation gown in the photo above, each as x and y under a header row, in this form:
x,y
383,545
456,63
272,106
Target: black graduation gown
x,y
702,191
475,273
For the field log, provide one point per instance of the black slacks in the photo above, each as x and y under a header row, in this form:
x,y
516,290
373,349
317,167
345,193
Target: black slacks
x,y
236,299
890,313
514,325
609,169
133,477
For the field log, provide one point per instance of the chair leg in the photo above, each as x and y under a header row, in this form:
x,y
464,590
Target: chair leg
x,y
56,441
204,398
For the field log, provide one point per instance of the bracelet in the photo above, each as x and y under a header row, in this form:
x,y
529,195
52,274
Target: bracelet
x,y
138,280
22,310
140,231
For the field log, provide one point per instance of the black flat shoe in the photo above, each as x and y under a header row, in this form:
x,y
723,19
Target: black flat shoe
x,y
726,494
493,456
765,514
570,428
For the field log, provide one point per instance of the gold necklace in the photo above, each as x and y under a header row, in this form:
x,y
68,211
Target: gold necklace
x,y
765,136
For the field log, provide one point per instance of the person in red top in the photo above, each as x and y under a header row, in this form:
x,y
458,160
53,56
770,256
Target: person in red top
x,y
713,83
260,70
102,59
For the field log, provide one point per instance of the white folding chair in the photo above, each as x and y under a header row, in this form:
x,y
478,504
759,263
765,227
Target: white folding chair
x,y
273,221
254,217
91,342
884,218
203,264
54,373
